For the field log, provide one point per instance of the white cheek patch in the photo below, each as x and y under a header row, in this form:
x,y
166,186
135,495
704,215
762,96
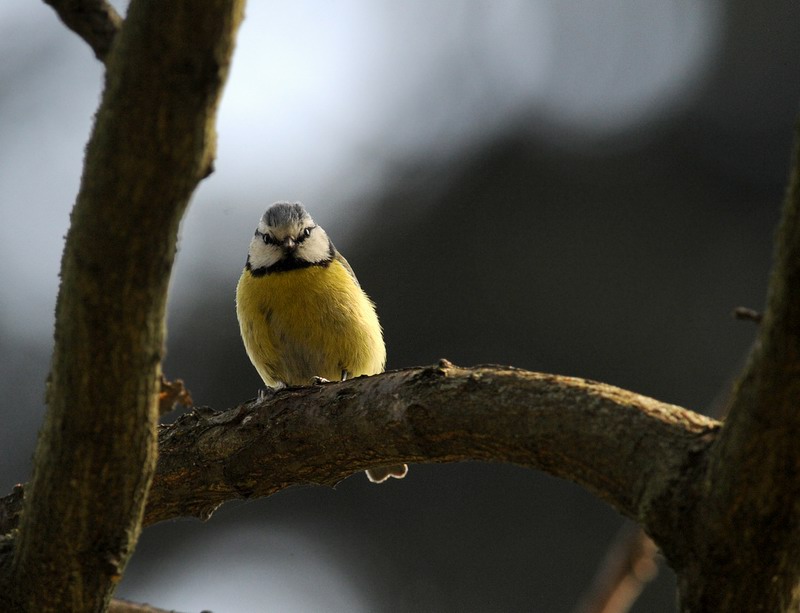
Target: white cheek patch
x,y
316,248
262,255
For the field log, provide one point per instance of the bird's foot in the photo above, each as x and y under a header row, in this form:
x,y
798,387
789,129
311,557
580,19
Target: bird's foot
x,y
268,392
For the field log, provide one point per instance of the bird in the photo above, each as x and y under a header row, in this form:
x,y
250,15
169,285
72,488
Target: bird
x,y
302,313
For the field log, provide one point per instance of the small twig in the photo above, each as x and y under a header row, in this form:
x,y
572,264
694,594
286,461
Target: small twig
x,y
630,564
173,393
95,21
745,314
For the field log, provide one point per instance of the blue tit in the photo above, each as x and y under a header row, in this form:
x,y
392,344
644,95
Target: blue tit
x,y
302,313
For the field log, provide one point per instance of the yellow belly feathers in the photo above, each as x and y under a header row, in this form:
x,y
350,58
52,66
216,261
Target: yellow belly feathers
x,y
308,322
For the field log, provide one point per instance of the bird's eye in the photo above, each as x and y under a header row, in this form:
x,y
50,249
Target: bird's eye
x,y
306,232
267,238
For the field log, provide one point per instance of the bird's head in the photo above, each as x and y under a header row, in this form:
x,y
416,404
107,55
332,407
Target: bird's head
x,y
287,238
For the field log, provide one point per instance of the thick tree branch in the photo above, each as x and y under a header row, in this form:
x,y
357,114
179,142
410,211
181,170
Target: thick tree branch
x,y
748,503
152,142
624,447
95,21
631,561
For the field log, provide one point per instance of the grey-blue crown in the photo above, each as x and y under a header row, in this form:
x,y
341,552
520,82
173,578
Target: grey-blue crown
x,y
282,214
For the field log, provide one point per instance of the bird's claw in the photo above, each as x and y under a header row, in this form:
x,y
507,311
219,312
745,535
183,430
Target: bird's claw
x,y
269,391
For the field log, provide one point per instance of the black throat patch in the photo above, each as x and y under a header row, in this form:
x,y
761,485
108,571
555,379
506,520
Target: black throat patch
x,y
290,262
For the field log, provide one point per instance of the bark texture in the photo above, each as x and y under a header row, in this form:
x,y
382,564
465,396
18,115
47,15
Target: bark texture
x,y
152,142
624,447
743,520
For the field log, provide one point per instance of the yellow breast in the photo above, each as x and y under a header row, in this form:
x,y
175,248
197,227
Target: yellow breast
x,y
308,322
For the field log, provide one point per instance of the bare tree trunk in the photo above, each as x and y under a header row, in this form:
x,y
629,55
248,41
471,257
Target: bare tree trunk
x,y
153,140
743,526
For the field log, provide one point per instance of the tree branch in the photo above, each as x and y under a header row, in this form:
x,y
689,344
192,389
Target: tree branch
x,y
751,488
152,142
629,565
95,21
631,561
622,446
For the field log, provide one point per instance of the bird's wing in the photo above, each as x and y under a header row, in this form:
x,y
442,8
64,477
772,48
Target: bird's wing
x,y
340,258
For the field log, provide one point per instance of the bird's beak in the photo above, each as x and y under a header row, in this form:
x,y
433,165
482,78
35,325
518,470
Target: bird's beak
x,y
289,244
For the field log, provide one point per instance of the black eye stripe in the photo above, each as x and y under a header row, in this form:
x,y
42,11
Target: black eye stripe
x,y
305,234
269,240
264,236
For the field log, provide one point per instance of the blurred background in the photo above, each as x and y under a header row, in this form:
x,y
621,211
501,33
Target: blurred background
x,y
581,187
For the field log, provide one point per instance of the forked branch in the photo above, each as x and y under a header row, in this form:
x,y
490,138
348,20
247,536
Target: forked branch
x,y
95,21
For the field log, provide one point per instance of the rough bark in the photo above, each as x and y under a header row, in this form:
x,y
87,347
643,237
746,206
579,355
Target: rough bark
x,y
744,522
152,142
624,447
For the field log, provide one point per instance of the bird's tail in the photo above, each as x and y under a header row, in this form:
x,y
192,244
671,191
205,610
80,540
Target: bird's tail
x,y
382,473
